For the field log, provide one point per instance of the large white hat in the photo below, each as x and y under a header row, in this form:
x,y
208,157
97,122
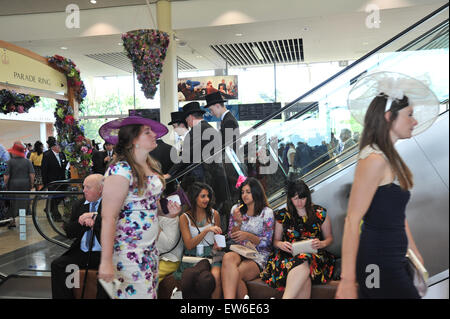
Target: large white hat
x,y
394,86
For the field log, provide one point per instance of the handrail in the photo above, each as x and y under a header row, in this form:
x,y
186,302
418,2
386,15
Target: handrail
x,y
40,195
317,87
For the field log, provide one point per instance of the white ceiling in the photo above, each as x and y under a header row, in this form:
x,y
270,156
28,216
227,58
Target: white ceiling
x,y
330,30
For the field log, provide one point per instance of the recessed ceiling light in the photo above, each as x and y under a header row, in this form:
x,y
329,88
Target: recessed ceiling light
x,y
120,43
238,34
93,1
199,56
63,48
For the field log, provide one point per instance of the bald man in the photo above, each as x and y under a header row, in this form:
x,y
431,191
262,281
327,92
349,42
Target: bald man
x,y
84,227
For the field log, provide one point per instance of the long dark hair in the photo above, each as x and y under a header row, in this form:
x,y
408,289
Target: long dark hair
x,y
193,192
377,132
300,188
124,151
258,194
38,147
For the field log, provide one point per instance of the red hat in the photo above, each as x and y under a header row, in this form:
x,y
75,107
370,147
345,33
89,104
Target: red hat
x,y
18,149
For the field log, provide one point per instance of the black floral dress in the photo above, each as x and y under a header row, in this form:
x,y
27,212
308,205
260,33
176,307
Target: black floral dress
x,y
321,265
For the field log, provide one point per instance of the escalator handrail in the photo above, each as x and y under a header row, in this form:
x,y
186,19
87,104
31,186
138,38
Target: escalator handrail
x,y
316,88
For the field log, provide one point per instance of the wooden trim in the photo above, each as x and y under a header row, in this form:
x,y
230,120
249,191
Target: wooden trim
x,y
25,90
26,52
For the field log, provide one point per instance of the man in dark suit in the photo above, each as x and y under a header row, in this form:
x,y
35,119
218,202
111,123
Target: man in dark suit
x,y
200,144
53,168
162,154
229,130
84,226
101,159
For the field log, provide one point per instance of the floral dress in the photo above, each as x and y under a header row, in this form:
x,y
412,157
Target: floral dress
x,y
135,256
321,265
261,226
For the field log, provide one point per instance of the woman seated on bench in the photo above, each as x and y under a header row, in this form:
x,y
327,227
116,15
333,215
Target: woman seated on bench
x,y
301,220
198,227
252,222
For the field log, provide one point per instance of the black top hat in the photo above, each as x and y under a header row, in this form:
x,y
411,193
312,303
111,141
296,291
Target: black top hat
x,y
51,141
214,98
177,117
192,107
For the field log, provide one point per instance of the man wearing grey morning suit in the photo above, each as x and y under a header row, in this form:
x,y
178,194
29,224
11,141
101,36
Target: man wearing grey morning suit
x,y
229,129
199,145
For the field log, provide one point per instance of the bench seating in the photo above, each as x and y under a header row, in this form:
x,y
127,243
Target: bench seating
x,y
257,289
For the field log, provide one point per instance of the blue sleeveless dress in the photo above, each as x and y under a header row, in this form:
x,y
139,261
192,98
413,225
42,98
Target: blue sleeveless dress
x,y
383,242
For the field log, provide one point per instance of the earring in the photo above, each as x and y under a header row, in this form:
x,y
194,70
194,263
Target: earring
x,y
137,145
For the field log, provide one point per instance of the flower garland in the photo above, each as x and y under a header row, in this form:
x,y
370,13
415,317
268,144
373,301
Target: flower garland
x,y
70,134
71,138
147,50
73,75
11,101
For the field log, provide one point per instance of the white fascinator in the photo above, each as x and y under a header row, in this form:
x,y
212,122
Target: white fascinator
x,y
394,86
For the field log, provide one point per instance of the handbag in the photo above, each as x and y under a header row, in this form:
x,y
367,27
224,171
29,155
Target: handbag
x,y
303,247
418,272
247,251
181,195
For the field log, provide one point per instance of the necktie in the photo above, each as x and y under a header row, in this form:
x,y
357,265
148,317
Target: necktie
x,y
90,232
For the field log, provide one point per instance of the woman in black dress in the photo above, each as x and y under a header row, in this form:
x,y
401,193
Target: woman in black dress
x,y
375,259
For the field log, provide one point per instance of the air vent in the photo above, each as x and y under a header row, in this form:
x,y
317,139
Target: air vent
x,y
184,65
263,52
120,61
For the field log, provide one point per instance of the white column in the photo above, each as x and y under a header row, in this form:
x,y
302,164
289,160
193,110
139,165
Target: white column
x,y
43,133
168,79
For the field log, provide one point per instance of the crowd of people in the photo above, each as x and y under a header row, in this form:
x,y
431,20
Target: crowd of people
x,y
138,236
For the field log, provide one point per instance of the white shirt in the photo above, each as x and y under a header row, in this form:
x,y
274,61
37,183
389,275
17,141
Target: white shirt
x,y
57,158
170,232
223,115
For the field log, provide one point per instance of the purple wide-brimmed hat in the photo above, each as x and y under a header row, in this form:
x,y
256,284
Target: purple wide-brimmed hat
x,y
110,131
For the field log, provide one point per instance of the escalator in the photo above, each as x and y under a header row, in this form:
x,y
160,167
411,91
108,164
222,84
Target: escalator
x,y
420,51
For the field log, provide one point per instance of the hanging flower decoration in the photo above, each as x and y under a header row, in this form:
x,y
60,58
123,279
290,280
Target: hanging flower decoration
x,y
11,101
147,50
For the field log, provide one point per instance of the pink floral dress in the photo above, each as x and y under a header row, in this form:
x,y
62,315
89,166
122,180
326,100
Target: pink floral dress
x,y
135,256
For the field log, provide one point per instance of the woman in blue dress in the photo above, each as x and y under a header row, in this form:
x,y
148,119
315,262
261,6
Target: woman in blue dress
x,y
376,258
132,188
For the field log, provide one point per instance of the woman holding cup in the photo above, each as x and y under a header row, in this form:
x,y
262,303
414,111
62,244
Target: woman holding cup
x,y
198,227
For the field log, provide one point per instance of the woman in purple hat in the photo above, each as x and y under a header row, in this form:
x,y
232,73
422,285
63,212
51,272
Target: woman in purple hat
x,y
132,188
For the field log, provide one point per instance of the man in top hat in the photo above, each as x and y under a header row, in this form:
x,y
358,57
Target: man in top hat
x,y
53,168
181,129
229,129
200,136
101,159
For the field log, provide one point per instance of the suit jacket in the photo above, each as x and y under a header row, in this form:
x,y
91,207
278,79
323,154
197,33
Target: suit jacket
x,y
50,168
98,160
230,122
162,154
214,173
73,229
